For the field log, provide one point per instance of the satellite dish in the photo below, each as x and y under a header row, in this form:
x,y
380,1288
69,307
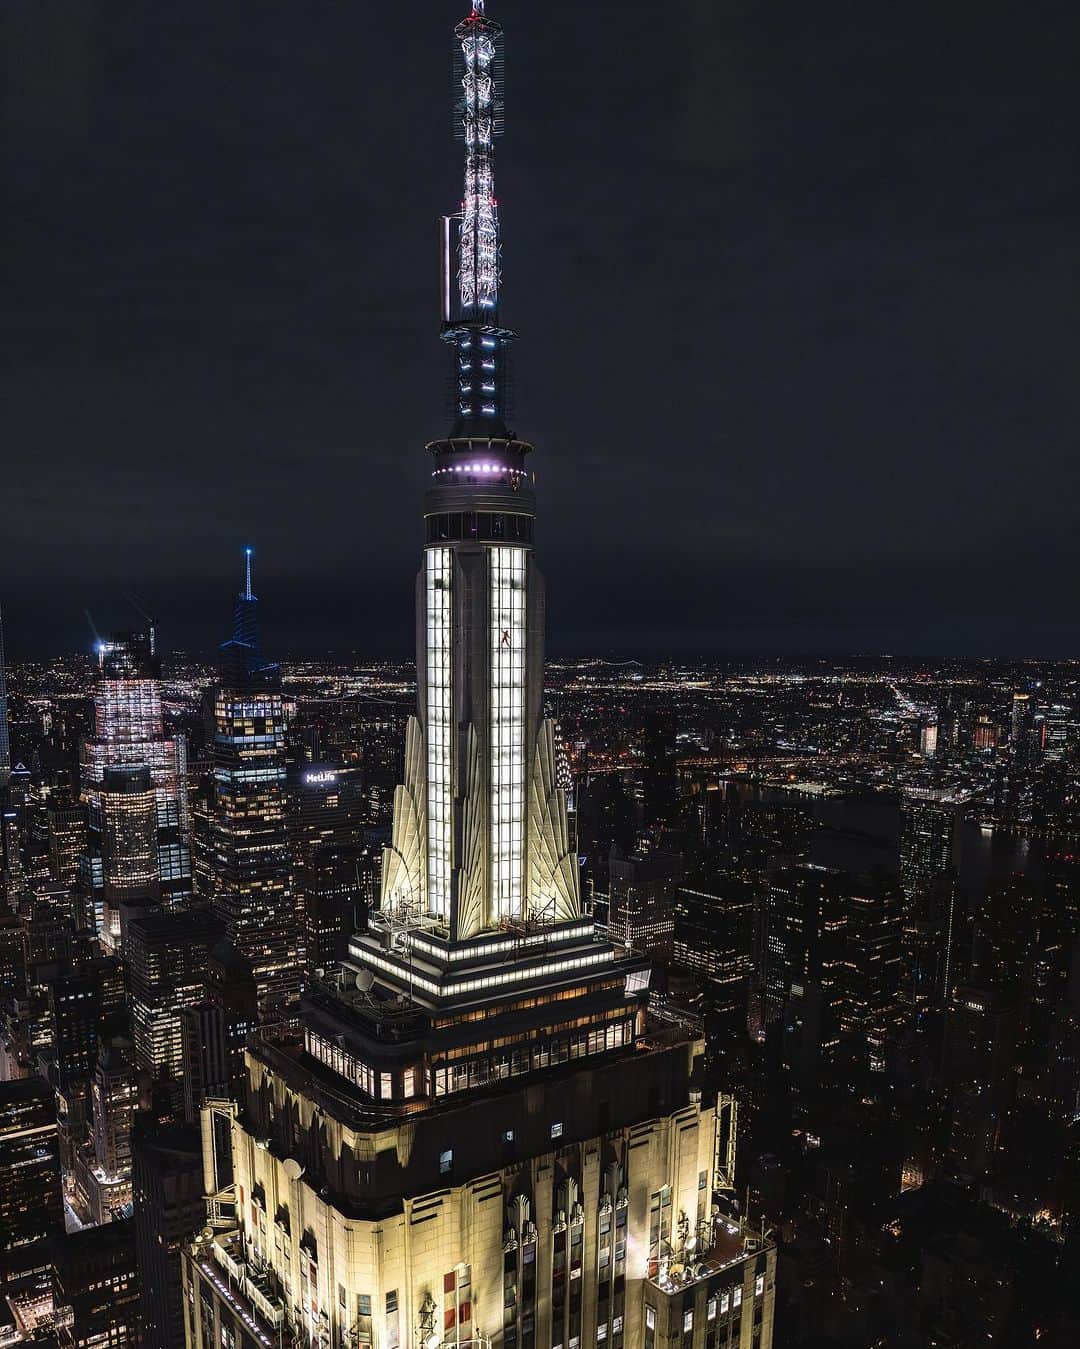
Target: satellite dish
x,y
364,980
207,1234
292,1168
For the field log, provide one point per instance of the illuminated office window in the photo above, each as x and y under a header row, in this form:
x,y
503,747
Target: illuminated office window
x,y
439,566
507,730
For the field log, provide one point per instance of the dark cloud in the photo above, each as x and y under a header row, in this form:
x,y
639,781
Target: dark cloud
x,y
794,284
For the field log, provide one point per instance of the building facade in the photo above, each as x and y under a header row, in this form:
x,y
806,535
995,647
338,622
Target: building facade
x,y
31,1207
168,956
713,938
115,1097
98,1288
67,835
642,903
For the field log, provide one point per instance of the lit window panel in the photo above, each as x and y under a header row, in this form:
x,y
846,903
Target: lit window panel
x,y
439,571
507,731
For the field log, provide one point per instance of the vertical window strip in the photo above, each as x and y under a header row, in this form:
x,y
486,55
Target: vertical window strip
x,y
507,731
439,564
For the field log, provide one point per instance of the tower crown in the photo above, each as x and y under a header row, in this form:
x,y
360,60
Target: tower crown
x,y
241,654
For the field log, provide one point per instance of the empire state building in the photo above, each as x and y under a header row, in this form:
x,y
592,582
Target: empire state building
x,y
480,1136
480,838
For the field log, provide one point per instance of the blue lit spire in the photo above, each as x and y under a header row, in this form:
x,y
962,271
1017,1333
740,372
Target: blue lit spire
x,y
241,655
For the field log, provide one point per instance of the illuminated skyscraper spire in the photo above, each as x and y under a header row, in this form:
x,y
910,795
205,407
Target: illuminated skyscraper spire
x,y
481,835
474,332
241,655
478,272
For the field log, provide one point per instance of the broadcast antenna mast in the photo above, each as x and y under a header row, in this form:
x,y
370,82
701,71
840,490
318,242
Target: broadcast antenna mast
x,y
480,375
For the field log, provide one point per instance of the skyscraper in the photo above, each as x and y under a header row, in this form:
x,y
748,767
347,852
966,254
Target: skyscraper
x,y
872,1013
129,734
251,888
168,954
31,1212
130,868
713,933
1022,721
98,1283
1055,731
804,975
66,822
115,1097
981,1027
204,1038
326,809
481,1137
641,907
984,735
929,834
75,1007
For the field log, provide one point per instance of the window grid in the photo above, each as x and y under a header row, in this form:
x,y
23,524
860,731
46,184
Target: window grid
x,y
439,565
507,731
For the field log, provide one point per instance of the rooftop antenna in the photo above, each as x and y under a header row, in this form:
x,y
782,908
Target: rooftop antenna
x,y
470,320
248,554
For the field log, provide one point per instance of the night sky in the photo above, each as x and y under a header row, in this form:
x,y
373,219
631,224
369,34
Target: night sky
x,y
795,285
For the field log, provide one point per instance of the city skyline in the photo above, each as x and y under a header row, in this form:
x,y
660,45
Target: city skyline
x,y
852,258
689,993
